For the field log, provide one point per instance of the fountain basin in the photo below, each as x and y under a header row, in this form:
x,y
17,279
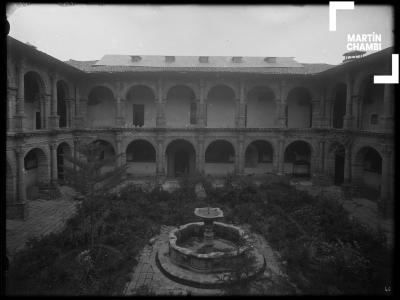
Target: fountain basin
x,y
220,258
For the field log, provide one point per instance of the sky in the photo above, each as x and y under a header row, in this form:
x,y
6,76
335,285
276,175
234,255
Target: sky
x,y
87,32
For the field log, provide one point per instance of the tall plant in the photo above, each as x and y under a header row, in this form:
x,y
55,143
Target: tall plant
x,y
90,174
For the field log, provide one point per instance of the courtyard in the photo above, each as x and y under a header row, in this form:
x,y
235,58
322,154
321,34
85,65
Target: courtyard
x,y
137,228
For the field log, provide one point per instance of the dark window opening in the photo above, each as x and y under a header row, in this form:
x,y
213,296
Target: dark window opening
x,y
140,151
373,162
38,121
193,110
220,152
138,115
31,161
374,119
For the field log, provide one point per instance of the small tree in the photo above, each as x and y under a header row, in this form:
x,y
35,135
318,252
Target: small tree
x,y
87,173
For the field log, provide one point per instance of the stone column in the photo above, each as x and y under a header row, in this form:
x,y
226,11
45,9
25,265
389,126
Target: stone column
x,y
386,178
201,108
77,120
42,103
239,157
200,154
20,111
347,165
281,105
315,112
356,113
348,119
387,120
281,157
120,119
81,119
53,118
11,100
160,105
68,104
160,156
120,151
21,182
241,106
53,162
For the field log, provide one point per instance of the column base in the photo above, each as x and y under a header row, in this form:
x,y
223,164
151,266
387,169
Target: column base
x,y
53,122
19,122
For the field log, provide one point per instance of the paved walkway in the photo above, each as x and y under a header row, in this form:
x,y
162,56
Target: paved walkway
x,y
44,217
146,273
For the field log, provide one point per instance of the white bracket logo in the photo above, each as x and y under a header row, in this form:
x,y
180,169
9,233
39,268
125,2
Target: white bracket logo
x,y
333,7
394,78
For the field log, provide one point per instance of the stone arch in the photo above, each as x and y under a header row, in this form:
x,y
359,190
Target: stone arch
x,y
101,107
261,107
140,106
370,104
63,94
34,92
180,156
141,157
180,106
299,108
220,107
338,109
144,83
367,171
37,171
259,155
297,158
219,157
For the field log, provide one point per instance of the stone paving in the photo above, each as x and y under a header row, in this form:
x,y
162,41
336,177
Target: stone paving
x,y
44,217
146,273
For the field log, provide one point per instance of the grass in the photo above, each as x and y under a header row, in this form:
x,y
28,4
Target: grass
x,y
325,251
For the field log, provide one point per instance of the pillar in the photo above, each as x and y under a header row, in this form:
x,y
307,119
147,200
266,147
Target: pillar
x,y
239,155
21,181
348,119
348,165
241,106
160,156
281,157
201,108
53,118
53,162
200,154
11,100
387,120
315,112
386,205
68,104
20,110
281,105
160,105
119,119
120,151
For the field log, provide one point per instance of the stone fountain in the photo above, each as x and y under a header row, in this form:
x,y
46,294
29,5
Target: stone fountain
x,y
200,253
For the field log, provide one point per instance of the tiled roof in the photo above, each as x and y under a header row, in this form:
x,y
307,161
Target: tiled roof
x,y
249,65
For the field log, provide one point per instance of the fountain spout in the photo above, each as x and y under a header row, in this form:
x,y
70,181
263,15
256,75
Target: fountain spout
x,y
208,215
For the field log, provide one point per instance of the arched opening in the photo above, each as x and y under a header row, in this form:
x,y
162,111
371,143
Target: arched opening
x,y
141,158
105,151
335,163
140,108
367,172
220,107
33,106
371,106
261,108
36,172
62,94
258,158
63,150
180,108
181,158
339,105
10,185
299,108
219,158
297,159
101,108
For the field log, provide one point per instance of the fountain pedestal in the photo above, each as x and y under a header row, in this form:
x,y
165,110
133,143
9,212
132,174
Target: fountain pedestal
x,y
208,216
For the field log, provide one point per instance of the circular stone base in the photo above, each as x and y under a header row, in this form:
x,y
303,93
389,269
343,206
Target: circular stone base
x,y
195,279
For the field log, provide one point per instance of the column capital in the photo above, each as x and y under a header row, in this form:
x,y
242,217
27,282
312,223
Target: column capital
x,y
20,150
